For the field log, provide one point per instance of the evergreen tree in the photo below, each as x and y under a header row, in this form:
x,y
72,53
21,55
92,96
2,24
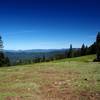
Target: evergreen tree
x,y
98,46
70,52
86,50
92,49
3,59
83,50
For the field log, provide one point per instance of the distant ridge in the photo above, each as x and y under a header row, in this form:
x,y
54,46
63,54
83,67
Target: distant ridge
x,y
15,55
35,50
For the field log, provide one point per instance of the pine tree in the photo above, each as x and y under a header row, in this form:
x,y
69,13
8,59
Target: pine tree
x,y
92,49
3,60
98,46
83,50
70,52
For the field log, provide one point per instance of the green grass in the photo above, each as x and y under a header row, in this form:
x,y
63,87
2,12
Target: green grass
x,y
44,81
88,58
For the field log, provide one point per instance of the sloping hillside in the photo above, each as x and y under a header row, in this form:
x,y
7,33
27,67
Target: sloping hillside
x,y
68,79
88,58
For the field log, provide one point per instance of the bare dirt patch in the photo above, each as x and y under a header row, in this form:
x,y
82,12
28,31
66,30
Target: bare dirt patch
x,y
52,92
14,98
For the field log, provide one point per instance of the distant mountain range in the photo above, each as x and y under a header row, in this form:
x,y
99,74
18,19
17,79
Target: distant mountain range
x,y
35,50
15,55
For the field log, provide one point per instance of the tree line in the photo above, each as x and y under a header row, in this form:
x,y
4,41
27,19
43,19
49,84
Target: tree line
x,y
84,50
69,53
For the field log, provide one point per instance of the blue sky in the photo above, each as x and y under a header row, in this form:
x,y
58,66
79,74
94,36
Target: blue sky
x,y
48,24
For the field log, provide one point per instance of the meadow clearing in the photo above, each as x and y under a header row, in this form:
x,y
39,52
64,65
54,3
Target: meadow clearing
x,y
67,79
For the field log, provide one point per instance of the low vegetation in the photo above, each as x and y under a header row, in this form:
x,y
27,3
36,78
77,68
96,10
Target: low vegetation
x,y
88,58
68,79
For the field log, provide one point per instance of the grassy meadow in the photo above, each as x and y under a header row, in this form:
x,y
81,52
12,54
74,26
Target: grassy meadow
x,y
67,79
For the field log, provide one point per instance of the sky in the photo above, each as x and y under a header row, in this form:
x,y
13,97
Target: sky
x,y
48,24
